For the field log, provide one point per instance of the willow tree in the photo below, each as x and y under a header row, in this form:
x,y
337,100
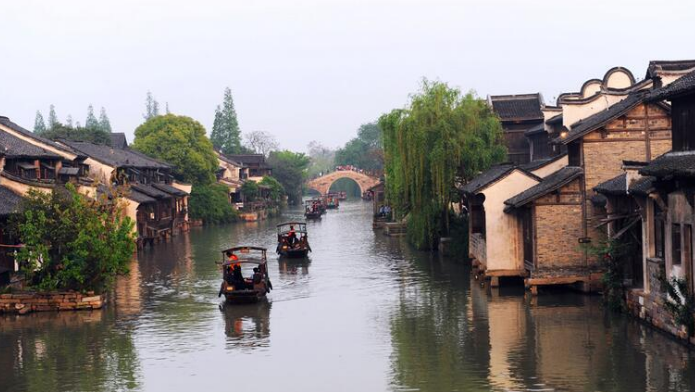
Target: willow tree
x,y
442,136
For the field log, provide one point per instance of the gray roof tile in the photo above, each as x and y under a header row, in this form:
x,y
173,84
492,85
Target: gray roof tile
x,y
553,182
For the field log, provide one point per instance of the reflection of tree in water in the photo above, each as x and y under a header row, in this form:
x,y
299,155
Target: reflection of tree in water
x,y
437,346
67,351
450,335
247,326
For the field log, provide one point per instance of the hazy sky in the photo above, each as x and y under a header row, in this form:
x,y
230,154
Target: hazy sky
x,y
308,70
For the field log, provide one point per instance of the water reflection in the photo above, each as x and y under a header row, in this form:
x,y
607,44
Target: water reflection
x,y
67,351
288,267
451,335
247,327
365,313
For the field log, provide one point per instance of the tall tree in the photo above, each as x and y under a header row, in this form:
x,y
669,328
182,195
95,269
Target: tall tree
x,y
39,125
322,159
68,121
441,137
290,169
261,142
226,135
180,141
365,151
91,122
104,122
166,110
52,117
151,107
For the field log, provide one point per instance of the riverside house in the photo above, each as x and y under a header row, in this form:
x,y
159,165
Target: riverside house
x,y
231,174
29,162
157,203
654,201
546,221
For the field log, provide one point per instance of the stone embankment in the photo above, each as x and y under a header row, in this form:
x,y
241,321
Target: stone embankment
x,y
26,302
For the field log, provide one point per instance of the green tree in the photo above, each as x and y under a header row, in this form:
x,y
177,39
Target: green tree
x,y
322,159
104,122
441,137
180,141
52,117
365,151
290,169
210,203
78,133
39,125
225,135
73,242
91,122
68,121
151,107
276,189
250,191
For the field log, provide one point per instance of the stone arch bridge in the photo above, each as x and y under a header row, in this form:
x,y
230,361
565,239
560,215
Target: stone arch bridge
x,y
323,184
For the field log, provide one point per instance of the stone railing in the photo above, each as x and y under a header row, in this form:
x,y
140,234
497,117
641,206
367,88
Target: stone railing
x,y
25,302
478,249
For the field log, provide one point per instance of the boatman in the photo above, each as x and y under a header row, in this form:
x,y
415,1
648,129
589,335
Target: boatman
x,y
292,236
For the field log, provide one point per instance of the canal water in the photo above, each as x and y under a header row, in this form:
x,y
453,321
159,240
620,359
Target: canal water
x,y
365,313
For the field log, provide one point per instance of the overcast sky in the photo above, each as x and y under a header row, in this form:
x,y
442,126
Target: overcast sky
x,y
308,70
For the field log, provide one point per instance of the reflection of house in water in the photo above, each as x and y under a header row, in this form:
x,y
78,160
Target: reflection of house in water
x,y
247,327
128,292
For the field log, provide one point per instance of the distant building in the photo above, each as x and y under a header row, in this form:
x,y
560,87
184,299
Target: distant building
x,y
232,174
255,163
118,140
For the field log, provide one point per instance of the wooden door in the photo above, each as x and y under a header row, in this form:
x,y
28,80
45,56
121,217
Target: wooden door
x,y
527,232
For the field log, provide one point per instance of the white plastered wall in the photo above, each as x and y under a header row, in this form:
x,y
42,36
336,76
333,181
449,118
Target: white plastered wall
x,y
502,231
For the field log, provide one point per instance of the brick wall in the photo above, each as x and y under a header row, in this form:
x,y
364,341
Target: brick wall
x,y
41,302
558,228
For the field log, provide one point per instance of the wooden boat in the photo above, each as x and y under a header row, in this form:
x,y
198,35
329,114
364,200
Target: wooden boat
x,y
239,289
293,240
313,210
332,202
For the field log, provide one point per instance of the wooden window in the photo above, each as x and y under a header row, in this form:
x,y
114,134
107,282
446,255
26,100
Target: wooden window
x,y
659,227
574,152
687,246
676,253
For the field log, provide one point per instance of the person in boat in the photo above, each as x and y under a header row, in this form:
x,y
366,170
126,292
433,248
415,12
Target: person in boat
x,y
292,237
238,278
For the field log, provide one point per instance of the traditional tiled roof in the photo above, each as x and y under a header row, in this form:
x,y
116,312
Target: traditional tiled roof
x,y
487,177
597,120
681,86
150,191
539,163
252,160
551,183
555,119
226,159
140,197
169,189
9,124
642,186
540,128
615,186
118,140
69,171
669,66
15,147
10,202
116,157
517,107
677,164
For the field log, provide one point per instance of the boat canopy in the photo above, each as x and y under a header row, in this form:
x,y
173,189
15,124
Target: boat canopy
x,y
245,255
299,227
